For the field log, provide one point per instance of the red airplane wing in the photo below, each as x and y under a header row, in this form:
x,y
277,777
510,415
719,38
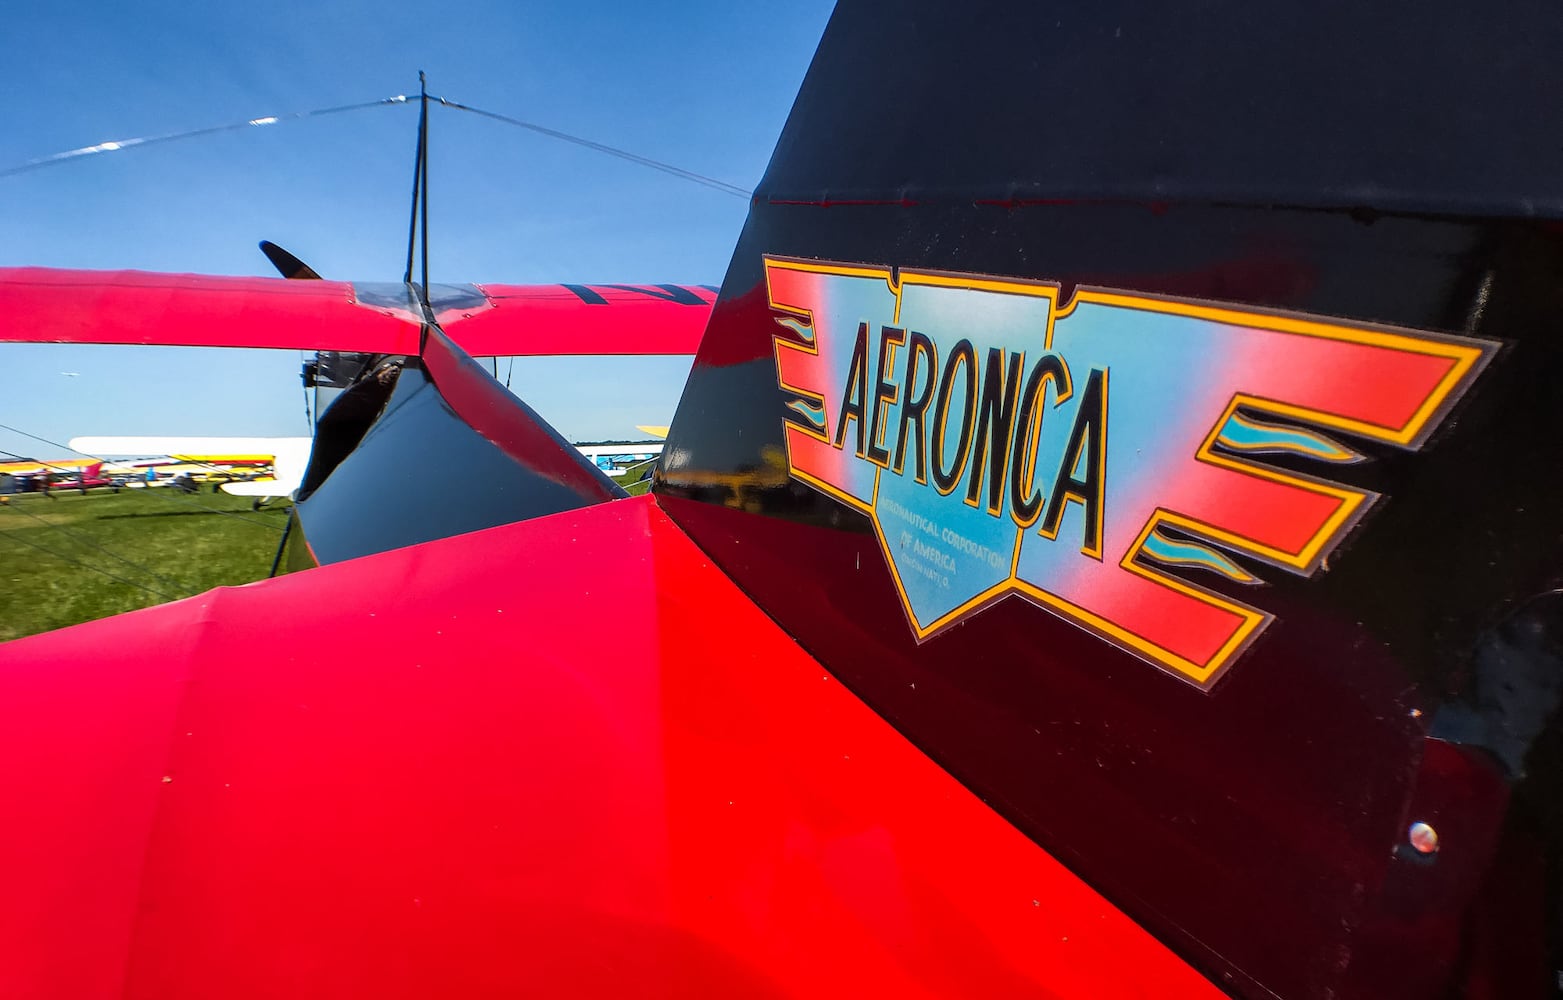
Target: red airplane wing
x,y
45,305
136,307
424,773
613,319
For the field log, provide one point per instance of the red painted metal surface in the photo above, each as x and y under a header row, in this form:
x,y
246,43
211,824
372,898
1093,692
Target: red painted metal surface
x,y
552,319
489,408
139,307
44,305
422,774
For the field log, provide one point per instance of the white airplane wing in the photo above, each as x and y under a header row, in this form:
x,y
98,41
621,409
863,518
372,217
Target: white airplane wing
x,y
289,456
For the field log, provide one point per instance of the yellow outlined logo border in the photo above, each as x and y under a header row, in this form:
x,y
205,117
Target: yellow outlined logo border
x,y
1467,355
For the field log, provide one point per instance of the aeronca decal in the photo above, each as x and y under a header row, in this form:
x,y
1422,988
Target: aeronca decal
x,y
1096,458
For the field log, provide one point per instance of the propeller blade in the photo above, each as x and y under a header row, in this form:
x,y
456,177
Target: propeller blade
x,y
288,265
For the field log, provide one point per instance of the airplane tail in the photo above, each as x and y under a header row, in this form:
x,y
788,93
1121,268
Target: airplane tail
x,y
1152,415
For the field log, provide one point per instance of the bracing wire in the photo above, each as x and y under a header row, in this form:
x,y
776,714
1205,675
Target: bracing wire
x,y
87,566
420,201
186,501
164,495
66,447
623,154
95,458
115,145
84,540
65,469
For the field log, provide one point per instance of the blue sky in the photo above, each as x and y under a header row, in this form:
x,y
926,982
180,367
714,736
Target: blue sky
x,y
706,88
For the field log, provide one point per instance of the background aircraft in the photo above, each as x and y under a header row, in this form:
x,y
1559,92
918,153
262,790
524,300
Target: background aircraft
x,y
286,457
621,458
27,475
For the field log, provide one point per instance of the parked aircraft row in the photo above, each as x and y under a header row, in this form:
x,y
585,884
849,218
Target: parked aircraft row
x,y
281,459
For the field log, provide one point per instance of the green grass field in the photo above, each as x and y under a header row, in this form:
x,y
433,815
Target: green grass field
x,y
77,557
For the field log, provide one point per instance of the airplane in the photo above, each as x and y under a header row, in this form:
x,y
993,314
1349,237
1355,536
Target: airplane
x,y
27,475
284,459
620,458
1164,595
287,457
32,466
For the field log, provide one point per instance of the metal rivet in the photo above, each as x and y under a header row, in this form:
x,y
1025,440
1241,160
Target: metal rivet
x,y
1424,839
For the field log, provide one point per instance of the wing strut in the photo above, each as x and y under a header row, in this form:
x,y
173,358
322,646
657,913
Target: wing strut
x,y
420,201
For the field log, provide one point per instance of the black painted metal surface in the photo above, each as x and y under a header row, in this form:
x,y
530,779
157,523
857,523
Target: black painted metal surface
x,y
1363,166
430,449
